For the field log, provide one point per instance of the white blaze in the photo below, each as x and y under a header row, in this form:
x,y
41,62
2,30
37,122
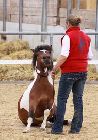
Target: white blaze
x,y
43,51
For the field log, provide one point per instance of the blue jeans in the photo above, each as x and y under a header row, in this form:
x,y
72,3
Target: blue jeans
x,y
68,82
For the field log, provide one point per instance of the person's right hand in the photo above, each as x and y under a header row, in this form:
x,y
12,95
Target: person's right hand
x,y
52,74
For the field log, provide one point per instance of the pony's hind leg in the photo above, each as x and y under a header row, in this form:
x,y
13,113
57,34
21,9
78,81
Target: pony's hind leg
x,y
29,121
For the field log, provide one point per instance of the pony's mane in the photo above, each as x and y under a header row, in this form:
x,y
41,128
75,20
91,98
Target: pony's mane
x,y
37,49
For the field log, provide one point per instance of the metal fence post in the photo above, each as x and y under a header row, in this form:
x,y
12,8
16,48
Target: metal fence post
x,y
4,14
51,39
44,19
96,36
78,4
20,16
69,7
51,43
58,12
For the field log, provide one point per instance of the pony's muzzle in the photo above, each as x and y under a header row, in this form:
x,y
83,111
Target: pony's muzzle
x,y
47,60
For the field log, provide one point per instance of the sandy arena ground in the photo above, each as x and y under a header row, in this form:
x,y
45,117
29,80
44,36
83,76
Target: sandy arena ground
x,y
11,127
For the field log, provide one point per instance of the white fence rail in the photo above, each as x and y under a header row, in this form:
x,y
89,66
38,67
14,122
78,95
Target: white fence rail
x,y
15,62
29,61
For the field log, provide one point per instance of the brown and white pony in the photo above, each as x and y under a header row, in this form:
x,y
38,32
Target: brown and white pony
x,y
36,106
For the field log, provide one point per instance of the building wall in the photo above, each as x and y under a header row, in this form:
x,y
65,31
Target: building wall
x,y
32,10
84,4
91,4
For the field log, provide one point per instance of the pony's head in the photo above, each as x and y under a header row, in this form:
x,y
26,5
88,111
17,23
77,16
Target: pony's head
x,y
43,57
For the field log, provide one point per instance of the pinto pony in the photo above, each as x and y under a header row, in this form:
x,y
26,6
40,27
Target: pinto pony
x,y
36,105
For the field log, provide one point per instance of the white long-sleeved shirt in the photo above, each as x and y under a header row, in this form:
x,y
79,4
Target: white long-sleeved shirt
x,y
66,47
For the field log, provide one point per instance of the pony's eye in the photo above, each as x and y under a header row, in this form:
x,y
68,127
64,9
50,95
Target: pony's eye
x,y
48,57
49,52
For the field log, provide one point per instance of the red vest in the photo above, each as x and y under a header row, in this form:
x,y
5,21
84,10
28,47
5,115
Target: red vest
x,y
77,60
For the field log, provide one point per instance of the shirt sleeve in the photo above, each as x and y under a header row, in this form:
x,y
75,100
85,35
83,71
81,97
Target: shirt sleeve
x,y
90,54
65,46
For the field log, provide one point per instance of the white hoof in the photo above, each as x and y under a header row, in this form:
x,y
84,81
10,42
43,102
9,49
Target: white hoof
x,y
69,122
49,125
42,128
26,130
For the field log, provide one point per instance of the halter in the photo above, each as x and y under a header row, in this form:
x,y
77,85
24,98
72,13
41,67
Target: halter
x,y
44,74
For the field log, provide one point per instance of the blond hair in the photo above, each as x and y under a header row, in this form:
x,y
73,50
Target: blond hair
x,y
74,20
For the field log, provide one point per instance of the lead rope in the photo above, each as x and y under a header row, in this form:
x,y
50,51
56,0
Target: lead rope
x,y
52,64
53,78
53,84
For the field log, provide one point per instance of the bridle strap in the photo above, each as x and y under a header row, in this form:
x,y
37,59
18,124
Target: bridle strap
x,y
42,74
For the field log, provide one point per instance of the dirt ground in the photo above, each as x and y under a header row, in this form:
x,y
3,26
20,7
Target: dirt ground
x,y
11,127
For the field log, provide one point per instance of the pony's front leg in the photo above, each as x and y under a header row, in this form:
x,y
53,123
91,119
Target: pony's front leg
x,y
46,114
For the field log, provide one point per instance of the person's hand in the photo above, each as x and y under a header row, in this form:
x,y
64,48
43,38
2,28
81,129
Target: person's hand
x,y
53,74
